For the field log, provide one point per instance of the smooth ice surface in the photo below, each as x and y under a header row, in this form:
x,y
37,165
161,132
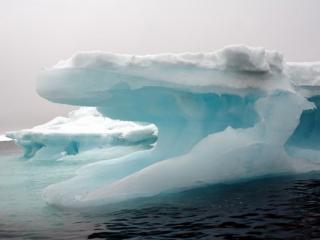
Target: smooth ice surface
x,y
235,113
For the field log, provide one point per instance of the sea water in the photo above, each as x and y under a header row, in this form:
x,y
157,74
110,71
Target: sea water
x,y
269,207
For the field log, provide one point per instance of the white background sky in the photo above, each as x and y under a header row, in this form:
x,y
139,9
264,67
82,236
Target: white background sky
x,y
37,33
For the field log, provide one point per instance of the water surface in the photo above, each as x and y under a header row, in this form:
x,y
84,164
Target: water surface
x,y
282,207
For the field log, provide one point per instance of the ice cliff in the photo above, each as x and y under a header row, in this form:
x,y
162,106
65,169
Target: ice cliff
x,y
198,118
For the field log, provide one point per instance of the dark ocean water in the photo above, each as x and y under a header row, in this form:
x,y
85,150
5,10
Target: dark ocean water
x,y
272,208
279,207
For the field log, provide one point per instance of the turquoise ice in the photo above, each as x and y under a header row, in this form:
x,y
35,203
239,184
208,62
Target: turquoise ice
x,y
184,120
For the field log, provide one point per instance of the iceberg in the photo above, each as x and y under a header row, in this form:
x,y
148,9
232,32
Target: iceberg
x,y
83,132
3,138
185,120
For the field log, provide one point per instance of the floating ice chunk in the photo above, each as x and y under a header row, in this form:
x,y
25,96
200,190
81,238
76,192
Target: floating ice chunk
x,y
85,129
3,138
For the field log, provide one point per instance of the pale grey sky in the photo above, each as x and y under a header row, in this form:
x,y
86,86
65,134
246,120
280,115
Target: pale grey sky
x,y
37,33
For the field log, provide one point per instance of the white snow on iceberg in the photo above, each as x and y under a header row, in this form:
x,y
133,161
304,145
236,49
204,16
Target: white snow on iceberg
x,y
235,113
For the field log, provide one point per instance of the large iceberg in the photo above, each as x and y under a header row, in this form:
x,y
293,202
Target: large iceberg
x,y
198,118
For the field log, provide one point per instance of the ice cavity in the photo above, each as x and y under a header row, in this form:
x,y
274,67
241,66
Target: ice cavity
x,y
82,131
235,113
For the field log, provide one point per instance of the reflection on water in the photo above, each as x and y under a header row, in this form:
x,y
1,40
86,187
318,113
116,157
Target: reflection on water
x,y
286,207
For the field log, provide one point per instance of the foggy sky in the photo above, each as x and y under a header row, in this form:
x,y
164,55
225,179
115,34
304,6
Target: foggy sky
x,y
37,33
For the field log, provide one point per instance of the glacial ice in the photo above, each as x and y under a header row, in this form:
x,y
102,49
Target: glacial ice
x,y
199,118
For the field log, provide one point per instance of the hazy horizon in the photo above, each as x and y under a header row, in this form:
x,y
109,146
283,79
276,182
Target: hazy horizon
x,y
38,33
